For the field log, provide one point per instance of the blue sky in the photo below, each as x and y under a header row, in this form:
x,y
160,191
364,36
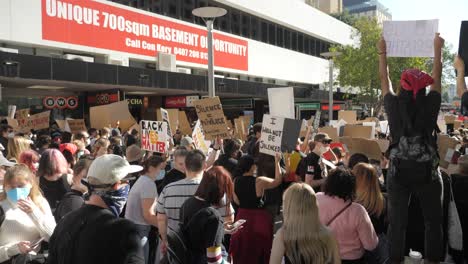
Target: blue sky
x,y
449,12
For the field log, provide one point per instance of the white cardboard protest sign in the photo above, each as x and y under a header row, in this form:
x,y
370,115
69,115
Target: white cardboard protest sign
x,y
281,102
153,135
273,140
410,38
198,137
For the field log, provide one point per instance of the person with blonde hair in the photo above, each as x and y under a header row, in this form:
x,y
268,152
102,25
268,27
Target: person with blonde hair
x,y
16,146
302,238
369,195
100,147
28,218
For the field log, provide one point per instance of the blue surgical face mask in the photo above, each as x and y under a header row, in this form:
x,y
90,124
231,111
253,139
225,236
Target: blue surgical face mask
x,y
17,194
161,175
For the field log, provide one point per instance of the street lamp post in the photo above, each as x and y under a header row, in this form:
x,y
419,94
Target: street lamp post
x,y
330,56
208,14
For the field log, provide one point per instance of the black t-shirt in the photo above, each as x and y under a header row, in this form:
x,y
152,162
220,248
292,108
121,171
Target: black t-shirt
x,y
93,234
310,165
464,104
172,176
432,107
208,231
228,163
72,201
54,190
245,189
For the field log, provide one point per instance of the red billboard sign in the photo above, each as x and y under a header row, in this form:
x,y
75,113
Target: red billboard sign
x,y
176,101
100,25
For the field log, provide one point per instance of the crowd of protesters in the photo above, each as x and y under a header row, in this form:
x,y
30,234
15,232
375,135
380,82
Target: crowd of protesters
x,y
96,197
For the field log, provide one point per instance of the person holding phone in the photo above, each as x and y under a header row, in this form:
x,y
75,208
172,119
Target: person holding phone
x,y
28,217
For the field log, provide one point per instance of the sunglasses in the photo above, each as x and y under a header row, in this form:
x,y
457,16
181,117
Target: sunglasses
x,y
326,142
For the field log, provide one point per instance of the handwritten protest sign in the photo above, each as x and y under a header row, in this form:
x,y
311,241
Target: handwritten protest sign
x,y
349,116
37,122
273,139
410,38
199,138
76,125
184,125
211,116
63,125
163,115
281,102
153,136
356,131
241,130
22,113
108,115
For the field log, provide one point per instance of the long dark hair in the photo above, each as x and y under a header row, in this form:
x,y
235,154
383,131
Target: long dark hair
x,y
244,165
412,111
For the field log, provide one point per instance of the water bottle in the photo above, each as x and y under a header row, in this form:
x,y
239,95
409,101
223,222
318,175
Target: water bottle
x,y
415,257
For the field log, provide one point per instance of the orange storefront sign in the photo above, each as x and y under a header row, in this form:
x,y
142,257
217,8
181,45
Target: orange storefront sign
x,y
100,25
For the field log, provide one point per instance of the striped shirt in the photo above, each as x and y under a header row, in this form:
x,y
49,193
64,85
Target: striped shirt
x,y
174,195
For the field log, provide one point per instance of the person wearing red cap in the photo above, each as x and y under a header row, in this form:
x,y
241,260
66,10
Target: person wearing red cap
x,y
412,116
462,90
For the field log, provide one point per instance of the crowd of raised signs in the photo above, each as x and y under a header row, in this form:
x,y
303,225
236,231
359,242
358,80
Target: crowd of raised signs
x,y
98,196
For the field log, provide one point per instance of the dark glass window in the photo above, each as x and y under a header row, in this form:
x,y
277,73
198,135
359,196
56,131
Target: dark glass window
x,y
245,32
300,43
294,40
307,45
254,28
271,34
287,39
264,31
279,36
235,22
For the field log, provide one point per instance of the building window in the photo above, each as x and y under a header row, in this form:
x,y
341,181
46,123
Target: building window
x,y
235,22
300,43
279,36
264,31
245,32
287,39
254,28
271,34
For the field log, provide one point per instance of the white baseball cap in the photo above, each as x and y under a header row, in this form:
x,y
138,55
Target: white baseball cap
x,y
110,169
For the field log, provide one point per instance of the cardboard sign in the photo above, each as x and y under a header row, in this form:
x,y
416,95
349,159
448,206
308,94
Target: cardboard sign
x,y
199,138
457,124
108,115
372,148
173,120
163,115
37,121
384,127
450,119
281,102
11,111
212,119
410,38
355,131
445,143
63,125
463,45
184,125
22,113
349,116
240,128
13,123
332,132
372,125
273,139
153,136
76,125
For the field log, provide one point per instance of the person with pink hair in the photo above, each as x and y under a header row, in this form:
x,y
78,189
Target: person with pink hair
x,y
30,158
53,178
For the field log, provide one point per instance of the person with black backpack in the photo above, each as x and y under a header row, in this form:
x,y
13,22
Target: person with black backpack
x,y
414,160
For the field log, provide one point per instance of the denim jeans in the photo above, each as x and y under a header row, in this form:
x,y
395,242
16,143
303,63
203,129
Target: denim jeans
x,y
430,198
143,231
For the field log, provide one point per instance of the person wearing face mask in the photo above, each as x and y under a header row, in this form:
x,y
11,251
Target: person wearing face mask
x,y
28,218
254,241
6,132
142,200
75,198
178,171
311,168
95,233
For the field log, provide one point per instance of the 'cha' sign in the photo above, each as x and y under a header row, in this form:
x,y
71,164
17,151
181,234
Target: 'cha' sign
x,y
153,136
279,134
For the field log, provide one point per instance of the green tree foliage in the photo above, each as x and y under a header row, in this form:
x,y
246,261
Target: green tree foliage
x,y
358,64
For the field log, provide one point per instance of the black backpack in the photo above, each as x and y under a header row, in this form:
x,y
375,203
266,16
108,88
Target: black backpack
x,y
414,154
179,251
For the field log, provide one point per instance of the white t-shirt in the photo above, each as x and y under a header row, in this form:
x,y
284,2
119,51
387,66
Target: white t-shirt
x,y
144,188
